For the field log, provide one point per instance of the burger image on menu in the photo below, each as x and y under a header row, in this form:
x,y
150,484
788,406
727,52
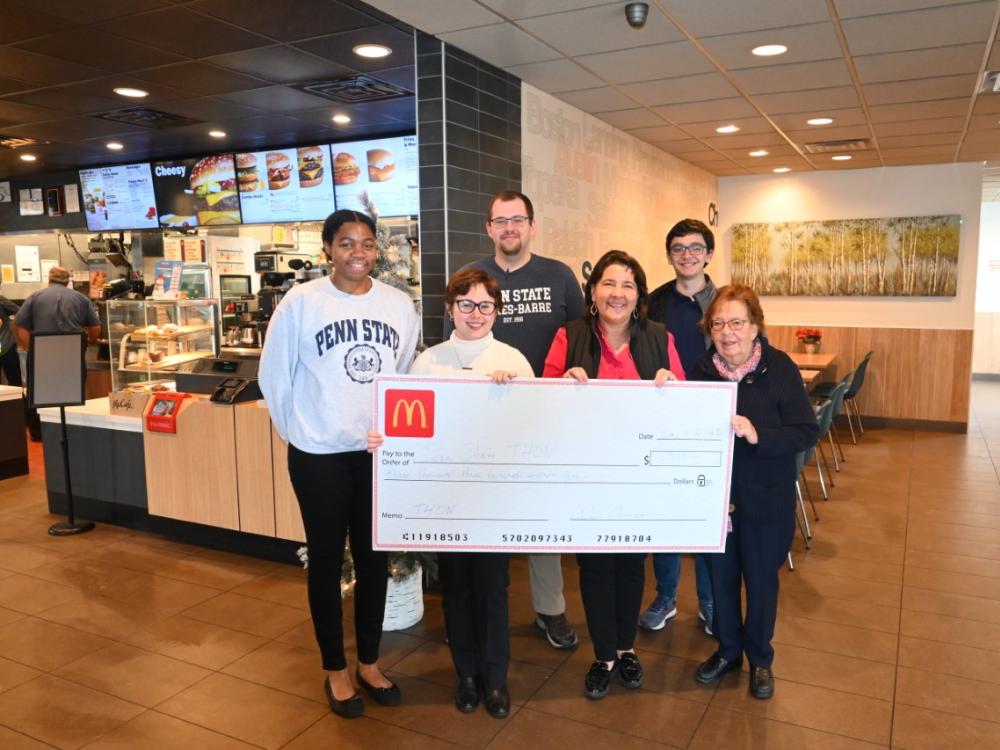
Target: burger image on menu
x,y
279,170
246,172
381,165
310,166
345,169
214,186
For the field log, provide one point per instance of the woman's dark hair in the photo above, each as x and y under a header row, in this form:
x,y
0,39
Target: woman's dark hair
x,y
338,218
618,258
462,281
735,293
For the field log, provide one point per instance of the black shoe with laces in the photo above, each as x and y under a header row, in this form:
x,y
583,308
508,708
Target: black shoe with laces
x,y
557,629
598,680
466,694
630,670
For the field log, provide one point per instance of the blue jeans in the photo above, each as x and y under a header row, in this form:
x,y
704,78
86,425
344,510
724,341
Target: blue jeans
x,y
667,568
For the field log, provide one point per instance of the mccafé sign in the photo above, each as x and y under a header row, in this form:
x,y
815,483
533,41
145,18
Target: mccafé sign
x,y
409,413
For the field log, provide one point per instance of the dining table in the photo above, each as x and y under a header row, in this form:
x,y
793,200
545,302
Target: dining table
x,y
818,361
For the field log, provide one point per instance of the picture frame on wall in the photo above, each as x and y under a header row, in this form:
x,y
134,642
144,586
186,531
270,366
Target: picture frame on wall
x,y
54,203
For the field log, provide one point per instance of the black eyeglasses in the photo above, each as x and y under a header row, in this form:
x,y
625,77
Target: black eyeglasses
x,y
695,251
486,307
517,221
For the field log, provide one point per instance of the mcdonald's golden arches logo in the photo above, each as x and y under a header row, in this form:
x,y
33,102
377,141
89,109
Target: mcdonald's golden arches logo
x,y
409,413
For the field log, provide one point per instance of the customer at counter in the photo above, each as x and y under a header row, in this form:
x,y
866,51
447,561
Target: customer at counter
x,y
10,363
326,342
615,341
774,421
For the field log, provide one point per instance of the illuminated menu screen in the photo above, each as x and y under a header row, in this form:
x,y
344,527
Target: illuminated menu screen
x,y
118,198
285,184
197,192
387,168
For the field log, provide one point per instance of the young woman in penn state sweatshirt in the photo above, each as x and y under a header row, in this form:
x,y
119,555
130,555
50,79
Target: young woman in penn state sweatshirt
x,y
325,344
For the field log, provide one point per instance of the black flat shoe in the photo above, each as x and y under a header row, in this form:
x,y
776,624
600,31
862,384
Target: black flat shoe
x,y
466,695
716,666
351,708
497,702
761,682
598,680
390,696
630,670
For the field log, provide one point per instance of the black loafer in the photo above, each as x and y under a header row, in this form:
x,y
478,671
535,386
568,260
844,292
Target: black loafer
x,y
351,708
390,696
598,680
761,682
716,666
466,695
497,702
630,670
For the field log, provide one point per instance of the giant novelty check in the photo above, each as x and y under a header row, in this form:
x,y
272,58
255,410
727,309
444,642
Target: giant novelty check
x,y
551,465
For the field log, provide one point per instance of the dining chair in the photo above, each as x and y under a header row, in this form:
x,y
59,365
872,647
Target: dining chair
x,y
849,403
825,391
824,416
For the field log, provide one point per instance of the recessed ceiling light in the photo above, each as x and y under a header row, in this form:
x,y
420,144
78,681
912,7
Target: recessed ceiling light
x,y
372,50
217,133
28,157
341,119
727,129
781,170
114,145
841,157
130,92
759,152
769,50
820,121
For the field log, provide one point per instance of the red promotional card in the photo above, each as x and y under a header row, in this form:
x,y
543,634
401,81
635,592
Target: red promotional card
x,y
409,413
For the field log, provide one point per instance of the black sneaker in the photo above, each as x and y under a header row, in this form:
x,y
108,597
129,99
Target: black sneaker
x,y
598,680
557,629
630,670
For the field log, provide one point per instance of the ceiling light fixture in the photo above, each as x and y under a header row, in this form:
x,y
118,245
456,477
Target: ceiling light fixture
x,y
217,133
341,119
130,92
820,121
114,145
372,50
769,50
841,157
28,157
636,14
727,129
781,170
759,152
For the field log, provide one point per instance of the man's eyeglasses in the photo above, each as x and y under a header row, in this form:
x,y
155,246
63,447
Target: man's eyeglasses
x,y
486,307
518,221
695,251
736,324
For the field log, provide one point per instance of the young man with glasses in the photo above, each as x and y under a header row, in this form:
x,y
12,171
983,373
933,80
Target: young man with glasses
x,y
540,295
680,305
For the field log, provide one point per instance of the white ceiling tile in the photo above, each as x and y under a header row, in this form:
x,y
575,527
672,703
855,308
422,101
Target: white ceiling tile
x,y
914,127
919,110
856,8
439,16
708,19
625,119
658,133
984,122
988,104
601,99
707,111
816,135
684,89
925,63
599,29
554,76
920,90
801,101
794,77
887,143
841,117
746,125
815,41
896,153
933,27
682,146
501,44
518,9
750,141
647,63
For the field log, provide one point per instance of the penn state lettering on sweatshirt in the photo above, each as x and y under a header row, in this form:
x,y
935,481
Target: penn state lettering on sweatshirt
x,y
322,351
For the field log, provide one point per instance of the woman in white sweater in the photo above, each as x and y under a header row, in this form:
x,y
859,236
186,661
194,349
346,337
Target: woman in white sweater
x,y
474,584
326,342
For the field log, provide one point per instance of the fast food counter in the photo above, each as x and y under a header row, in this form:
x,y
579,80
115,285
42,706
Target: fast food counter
x,y
220,480
13,444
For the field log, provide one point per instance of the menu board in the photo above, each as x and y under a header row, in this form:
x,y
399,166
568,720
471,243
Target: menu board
x,y
285,184
197,192
387,168
118,198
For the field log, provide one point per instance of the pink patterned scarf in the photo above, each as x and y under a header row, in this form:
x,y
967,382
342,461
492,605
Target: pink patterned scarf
x,y
738,373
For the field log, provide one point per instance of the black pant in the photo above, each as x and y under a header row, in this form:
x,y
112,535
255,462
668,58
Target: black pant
x,y
335,497
611,585
475,614
755,552
10,363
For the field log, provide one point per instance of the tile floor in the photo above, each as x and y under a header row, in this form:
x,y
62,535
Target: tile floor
x,y
888,635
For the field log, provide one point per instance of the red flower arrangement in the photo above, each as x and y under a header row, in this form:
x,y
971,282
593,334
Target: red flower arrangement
x,y
809,335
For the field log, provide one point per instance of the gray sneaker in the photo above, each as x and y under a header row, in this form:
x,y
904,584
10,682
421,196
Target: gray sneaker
x,y
705,613
656,616
557,629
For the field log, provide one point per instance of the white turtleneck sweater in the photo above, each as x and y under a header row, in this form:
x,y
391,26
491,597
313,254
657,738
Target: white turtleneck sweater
x,y
478,357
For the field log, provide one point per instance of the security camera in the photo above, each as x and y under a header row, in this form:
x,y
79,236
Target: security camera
x,y
636,14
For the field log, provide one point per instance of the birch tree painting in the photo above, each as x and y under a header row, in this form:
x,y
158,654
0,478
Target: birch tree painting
x,y
913,256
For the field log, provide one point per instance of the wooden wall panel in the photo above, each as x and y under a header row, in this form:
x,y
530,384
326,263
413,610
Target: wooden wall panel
x,y
986,348
915,373
288,520
254,470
